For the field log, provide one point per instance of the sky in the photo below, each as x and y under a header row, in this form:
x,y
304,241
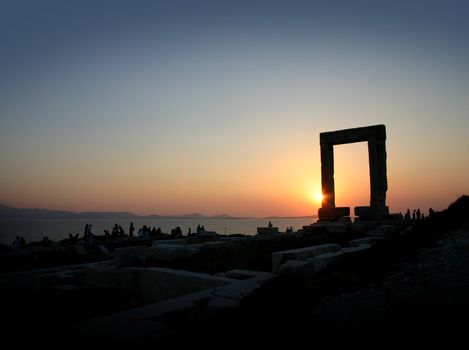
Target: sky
x,y
178,106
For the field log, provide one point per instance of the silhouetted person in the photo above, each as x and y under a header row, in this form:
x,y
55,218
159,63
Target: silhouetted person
x,y
22,242
414,215
198,228
418,214
88,233
270,224
131,229
189,232
115,230
202,228
176,232
121,231
407,215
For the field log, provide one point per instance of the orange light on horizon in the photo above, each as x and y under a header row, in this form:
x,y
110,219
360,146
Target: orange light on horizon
x,y
319,197
316,196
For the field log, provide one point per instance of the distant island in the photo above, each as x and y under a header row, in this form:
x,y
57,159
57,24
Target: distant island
x,y
291,217
11,213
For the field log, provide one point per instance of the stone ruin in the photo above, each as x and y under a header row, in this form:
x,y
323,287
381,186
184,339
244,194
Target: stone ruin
x,y
376,137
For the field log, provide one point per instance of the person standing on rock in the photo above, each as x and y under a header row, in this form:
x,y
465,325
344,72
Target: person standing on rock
x,y
131,229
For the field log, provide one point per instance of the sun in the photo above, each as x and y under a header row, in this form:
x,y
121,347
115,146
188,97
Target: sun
x,y
316,196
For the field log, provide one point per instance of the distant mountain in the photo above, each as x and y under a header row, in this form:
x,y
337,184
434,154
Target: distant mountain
x,y
105,215
14,213
188,216
191,216
291,217
10,213
225,216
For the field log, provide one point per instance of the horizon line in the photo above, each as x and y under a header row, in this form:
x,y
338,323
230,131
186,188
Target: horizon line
x,y
213,216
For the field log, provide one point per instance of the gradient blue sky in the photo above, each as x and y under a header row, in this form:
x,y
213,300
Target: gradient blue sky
x,y
216,106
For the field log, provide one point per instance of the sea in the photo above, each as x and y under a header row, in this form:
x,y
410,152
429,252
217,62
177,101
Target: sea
x,y
58,229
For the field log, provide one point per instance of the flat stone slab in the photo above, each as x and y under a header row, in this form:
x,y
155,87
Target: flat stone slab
x,y
357,249
371,211
241,274
25,282
333,227
162,283
172,251
335,212
130,279
180,241
240,289
310,266
267,236
278,258
53,279
127,256
79,249
102,276
318,263
103,249
340,137
146,324
292,267
136,326
263,230
215,244
207,234
366,240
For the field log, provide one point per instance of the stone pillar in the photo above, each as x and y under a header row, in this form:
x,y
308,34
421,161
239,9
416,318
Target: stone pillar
x,y
378,178
327,175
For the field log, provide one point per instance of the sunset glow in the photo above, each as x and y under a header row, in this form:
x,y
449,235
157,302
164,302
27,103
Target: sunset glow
x,y
317,196
217,107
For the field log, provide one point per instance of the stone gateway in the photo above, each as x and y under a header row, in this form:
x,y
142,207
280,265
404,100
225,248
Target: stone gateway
x,y
376,137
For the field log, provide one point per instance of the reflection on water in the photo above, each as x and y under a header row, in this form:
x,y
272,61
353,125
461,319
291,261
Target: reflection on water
x,y
59,229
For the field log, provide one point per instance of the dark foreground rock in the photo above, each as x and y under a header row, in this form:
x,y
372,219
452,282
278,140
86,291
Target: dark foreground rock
x,y
398,293
411,287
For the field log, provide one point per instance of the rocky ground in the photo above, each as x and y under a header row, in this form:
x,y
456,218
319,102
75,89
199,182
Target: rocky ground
x,y
412,287
425,297
406,289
